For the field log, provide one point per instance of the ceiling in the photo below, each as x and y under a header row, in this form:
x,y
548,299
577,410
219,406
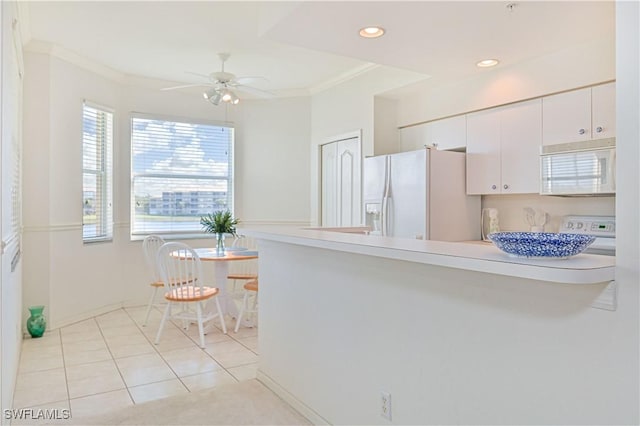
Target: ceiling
x,y
302,46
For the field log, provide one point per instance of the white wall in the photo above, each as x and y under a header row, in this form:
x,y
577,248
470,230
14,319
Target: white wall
x,y
450,346
582,65
76,280
346,108
10,148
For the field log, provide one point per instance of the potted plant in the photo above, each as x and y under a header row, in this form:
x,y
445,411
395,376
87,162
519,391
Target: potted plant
x,y
220,222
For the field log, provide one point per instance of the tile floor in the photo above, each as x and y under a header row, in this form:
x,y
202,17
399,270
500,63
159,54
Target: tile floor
x,y
109,362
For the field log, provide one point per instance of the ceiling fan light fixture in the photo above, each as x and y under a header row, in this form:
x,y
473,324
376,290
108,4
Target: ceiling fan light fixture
x,y
226,96
209,93
216,97
371,32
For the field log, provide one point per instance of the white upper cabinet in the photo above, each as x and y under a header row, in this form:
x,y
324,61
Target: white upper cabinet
x,y
579,115
603,111
503,148
446,134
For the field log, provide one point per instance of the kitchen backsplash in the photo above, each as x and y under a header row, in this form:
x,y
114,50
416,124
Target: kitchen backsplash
x,y
512,216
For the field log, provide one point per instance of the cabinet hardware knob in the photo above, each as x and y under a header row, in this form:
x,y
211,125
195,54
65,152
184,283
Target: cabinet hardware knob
x,y
599,129
493,187
581,132
506,186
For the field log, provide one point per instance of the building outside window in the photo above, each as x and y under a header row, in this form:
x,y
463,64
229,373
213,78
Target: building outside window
x,y
97,173
180,171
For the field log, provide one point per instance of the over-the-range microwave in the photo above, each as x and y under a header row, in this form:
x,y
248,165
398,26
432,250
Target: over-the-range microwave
x,y
579,168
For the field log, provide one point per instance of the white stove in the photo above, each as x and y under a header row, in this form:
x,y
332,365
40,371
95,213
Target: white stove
x,y
602,227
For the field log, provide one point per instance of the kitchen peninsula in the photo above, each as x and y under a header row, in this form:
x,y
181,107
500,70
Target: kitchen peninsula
x,y
454,332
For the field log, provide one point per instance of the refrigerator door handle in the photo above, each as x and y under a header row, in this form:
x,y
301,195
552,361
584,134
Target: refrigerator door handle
x,y
385,215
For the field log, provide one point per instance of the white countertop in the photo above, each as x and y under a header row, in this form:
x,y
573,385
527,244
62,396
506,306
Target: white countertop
x,y
473,256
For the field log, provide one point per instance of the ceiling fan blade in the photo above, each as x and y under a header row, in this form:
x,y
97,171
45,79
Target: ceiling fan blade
x,y
253,91
198,74
184,86
250,79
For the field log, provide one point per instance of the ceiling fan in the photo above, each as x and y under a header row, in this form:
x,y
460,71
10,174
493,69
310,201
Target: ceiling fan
x,y
222,85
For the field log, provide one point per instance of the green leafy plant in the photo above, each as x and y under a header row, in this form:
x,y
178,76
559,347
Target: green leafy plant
x,y
220,222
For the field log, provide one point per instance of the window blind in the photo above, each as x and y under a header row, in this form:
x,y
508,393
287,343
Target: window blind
x,y
97,143
180,172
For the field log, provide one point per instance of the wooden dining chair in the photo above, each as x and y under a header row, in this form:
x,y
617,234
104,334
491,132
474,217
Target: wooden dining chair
x,y
250,289
242,271
181,272
150,246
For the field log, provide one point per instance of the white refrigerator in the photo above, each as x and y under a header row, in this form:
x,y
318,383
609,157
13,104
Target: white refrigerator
x,y
420,194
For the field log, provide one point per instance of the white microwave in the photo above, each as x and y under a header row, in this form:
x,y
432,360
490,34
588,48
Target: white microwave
x,y
579,168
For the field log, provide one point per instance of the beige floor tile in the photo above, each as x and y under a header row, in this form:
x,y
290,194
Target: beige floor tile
x,y
138,347
120,331
82,352
208,380
219,348
158,390
34,358
244,372
244,332
250,342
190,361
144,369
173,340
40,387
50,338
87,326
235,359
51,413
93,378
95,405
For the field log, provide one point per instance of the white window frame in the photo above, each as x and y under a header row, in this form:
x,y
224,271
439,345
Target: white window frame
x,y
230,178
104,178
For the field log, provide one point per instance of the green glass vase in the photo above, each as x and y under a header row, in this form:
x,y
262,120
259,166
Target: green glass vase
x,y
36,323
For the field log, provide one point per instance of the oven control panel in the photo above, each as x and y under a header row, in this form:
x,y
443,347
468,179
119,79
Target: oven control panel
x,y
600,226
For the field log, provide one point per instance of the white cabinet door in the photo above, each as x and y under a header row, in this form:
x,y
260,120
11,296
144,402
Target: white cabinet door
x,y
566,117
521,138
449,133
341,176
483,152
603,111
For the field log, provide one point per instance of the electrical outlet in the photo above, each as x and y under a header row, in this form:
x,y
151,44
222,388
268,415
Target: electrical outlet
x,y
385,405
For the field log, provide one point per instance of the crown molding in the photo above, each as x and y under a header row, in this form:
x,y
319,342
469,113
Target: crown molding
x,y
43,47
342,78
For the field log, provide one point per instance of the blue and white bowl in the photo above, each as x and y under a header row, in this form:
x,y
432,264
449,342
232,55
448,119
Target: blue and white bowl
x,y
541,244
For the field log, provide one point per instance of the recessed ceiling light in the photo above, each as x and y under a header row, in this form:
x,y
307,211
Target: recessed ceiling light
x,y
485,63
371,32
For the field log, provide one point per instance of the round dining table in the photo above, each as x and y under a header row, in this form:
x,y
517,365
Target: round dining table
x,y
221,271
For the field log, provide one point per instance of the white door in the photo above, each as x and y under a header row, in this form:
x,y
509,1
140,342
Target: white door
x,y
341,181
329,177
483,152
521,139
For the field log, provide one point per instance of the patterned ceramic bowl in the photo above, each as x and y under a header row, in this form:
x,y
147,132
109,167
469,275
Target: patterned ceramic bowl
x,y
541,244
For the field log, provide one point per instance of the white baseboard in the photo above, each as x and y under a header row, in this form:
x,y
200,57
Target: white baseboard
x,y
83,316
298,405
